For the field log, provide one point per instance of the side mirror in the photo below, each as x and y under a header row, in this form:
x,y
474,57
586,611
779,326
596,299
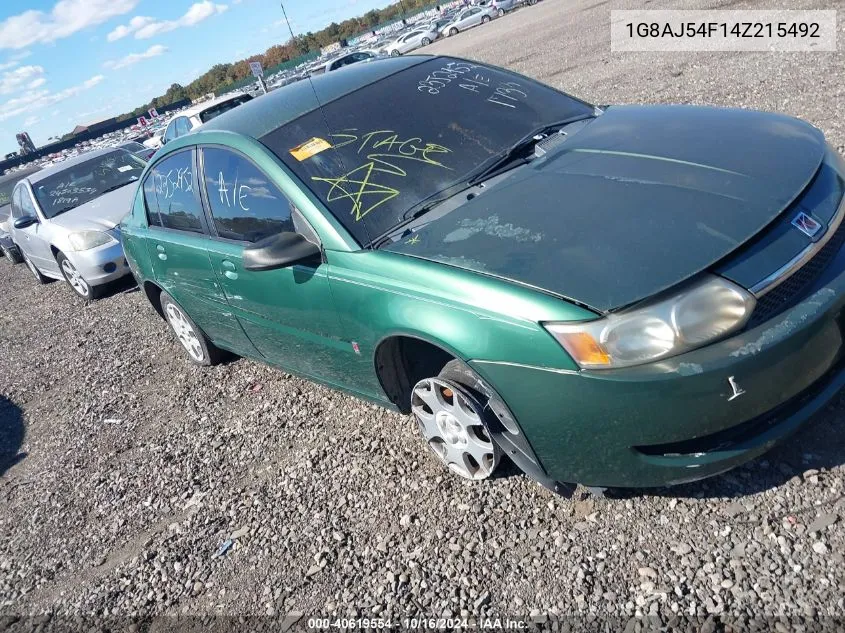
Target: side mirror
x,y
279,251
25,221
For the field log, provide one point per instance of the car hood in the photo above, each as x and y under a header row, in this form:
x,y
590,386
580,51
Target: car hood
x,y
102,213
639,200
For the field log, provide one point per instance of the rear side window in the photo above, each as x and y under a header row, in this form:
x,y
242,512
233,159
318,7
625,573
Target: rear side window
x,y
170,194
220,108
244,204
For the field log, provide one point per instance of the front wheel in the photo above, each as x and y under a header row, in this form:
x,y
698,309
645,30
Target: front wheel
x,y
200,350
426,41
394,53
451,419
453,31
74,278
501,12
12,254
485,19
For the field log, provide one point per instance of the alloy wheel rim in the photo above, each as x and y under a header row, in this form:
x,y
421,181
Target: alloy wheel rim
x,y
184,332
74,278
450,421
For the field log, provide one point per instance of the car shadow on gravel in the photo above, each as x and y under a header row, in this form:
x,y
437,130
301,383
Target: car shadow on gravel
x,y
817,447
12,432
124,285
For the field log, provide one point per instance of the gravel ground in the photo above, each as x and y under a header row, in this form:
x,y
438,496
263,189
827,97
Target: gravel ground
x,y
136,470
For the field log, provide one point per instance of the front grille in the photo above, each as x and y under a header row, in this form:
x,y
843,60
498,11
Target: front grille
x,y
793,289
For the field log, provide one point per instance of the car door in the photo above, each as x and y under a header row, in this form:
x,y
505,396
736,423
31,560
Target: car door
x,y
177,245
34,240
473,17
288,313
410,41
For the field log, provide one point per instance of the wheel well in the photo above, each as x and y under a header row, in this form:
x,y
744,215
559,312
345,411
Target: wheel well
x,y
55,251
402,361
153,293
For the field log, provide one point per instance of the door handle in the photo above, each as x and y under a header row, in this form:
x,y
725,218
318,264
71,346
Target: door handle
x,y
229,269
161,254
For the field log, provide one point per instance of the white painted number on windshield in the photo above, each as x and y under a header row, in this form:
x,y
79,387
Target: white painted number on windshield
x,y
470,77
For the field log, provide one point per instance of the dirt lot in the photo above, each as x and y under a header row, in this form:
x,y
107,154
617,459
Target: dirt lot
x,y
123,468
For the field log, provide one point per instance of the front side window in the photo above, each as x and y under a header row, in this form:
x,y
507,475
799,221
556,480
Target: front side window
x,y
170,133
182,126
244,204
82,182
27,206
170,193
377,153
16,203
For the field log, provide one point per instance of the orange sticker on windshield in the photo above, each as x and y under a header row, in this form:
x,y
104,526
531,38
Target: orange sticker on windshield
x,y
310,148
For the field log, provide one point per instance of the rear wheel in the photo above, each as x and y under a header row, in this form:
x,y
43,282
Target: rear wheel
x,y
485,19
426,41
34,270
451,419
501,12
200,350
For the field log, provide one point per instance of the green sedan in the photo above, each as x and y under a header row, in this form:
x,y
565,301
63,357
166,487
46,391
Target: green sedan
x,y
613,296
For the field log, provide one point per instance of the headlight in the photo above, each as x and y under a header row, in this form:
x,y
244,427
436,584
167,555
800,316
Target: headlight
x,y
698,315
86,240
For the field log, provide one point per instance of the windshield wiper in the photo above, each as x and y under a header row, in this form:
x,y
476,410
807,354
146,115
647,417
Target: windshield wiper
x,y
514,154
495,165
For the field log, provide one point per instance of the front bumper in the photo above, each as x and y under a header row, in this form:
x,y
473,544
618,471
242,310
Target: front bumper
x,y
688,417
100,265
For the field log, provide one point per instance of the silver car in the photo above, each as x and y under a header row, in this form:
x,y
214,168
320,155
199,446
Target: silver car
x,y
468,18
65,218
422,36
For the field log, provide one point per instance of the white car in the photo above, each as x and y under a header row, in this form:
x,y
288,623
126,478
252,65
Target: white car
x,y
417,37
468,18
154,142
344,60
193,117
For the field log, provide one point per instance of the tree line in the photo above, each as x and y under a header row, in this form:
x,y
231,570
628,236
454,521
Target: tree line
x,y
221,75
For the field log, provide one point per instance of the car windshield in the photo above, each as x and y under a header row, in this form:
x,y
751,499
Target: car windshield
x,y
220,108
132,146
82,182
411,135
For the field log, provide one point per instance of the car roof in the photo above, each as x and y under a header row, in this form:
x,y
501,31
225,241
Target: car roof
x,y
264,114
205,105
70,162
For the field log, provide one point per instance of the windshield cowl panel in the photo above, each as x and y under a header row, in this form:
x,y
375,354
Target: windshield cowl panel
x,y
374,154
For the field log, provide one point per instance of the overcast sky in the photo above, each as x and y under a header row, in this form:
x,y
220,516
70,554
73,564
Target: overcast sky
x,y
70,62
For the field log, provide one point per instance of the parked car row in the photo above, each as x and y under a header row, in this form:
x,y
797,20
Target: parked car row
x,y
547,292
